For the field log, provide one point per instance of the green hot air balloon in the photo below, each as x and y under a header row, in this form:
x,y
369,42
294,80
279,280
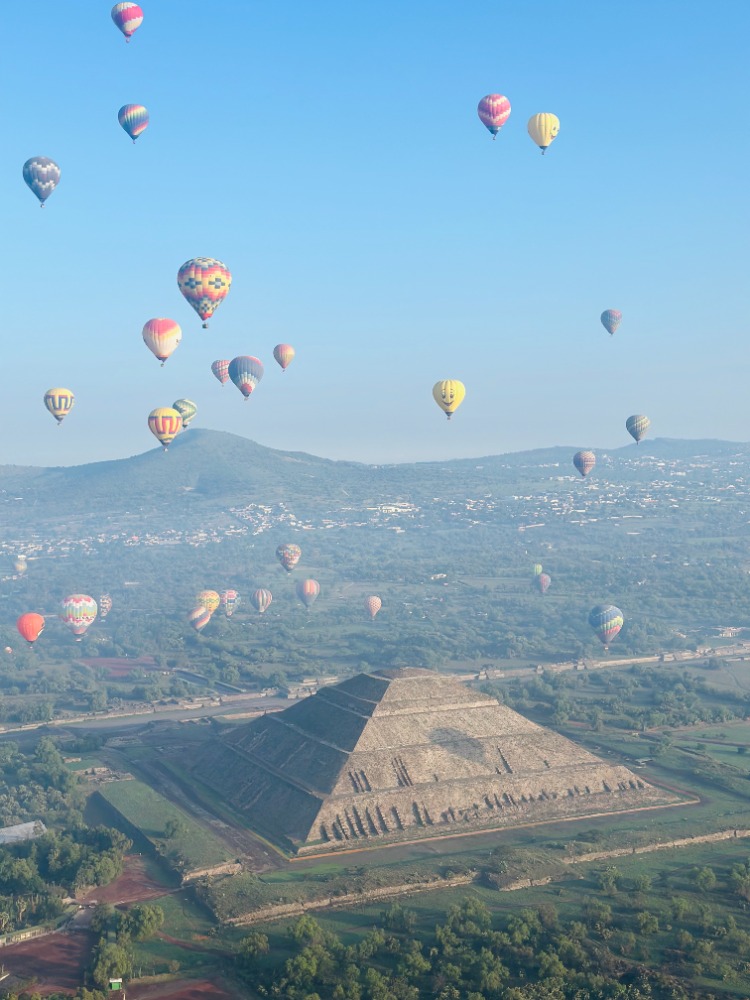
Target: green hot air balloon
x,y
606,620
537,569
186,408
637,425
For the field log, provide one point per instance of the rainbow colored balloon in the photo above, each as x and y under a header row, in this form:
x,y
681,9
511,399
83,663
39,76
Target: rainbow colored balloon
x,y
584,461
246,371
78,612
289,555
494,111
284,355
606,620
42,176
205,283
228,601
308,591
221,371
134,119
128,17
199,618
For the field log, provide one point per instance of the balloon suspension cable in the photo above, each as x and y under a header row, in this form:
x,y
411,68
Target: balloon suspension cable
x,y
448,416
205,326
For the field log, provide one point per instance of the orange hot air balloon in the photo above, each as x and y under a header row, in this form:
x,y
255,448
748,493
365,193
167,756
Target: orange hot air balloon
x,y
31,626
284,355
165,423
373,605
208,599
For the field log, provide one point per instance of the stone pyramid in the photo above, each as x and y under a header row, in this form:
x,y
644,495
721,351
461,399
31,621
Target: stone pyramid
x,y
398,755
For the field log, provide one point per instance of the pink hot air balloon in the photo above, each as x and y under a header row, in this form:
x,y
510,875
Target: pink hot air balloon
x,y
494,111
221,371
128,17
373,605
284,355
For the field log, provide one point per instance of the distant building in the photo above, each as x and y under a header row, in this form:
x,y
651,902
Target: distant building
x,y
22,831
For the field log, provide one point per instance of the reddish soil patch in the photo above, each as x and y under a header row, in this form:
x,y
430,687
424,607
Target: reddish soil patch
x,y
121,666
134,885
55,962
182,990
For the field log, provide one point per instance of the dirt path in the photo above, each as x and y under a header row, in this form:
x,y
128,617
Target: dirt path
x,y
135,885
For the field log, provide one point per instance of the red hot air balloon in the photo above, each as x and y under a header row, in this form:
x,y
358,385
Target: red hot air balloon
x,y
584,461
308,591
31,626
494,111
284,355
373,604
261,600
542,582
221,371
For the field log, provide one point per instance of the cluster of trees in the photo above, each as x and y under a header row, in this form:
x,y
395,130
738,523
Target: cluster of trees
x,y
38,786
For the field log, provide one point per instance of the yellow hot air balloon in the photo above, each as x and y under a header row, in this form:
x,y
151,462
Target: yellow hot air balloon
x,y
449,394
543,128
165,423
208,599
59,402
161,336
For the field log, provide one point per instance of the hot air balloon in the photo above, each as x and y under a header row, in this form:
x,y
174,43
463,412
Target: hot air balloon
x,y
449,394
373,604
228,601
134,119
20,565
542,582
284,355
220,370
245,371
307,591
42,175
543,128
31,626
208,599
186,408
59,402
536,569
161,336
611,319
165,423
199,618
261,600
128,18
105,605
78,612
606,620
288,556
637,425
494,111
584,461
205,283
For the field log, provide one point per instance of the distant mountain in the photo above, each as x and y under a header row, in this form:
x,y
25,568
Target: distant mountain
x,y
212,471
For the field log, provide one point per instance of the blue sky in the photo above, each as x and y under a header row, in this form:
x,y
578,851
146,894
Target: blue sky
x,y
330,154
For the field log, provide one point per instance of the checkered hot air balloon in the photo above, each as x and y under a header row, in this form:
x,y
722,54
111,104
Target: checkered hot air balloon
x,y
134,119
205,283
208,599
220,370
105,606
494,111
373,604
42,176
606,620
289,556
245,371
308,591
128,17
611,319
637,425
165,423
584,461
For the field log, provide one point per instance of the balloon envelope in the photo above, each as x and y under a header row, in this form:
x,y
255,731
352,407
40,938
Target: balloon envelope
x,y
199,618
221,370
606,620
543,581
373,604
228,601
449,394
288,556
165,423
205,283
245,371
59,402
42,176
494,111
611,319
284,355
161,336
584,461
261,600
31,626
637,425
208,599
543,129
20,565
78,612
128,17
186,408
134,119
105,605
307,591
537,569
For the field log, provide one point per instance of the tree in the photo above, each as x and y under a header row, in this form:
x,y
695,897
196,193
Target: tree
x,y
142,921
250,947
706,879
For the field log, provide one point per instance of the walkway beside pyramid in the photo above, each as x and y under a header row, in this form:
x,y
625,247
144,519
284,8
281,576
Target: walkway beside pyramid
x,y
394,755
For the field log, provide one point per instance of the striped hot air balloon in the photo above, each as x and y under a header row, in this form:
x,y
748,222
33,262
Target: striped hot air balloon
x,y
162,336
205,283
606,620
220,370
261,600
494,111
543,129
373,604
133,118
165,423
584,461
246,372
228,601
637,425
199,618
186,408
128,17
78,613
308,591
284,355
59,402
42,176
611,319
